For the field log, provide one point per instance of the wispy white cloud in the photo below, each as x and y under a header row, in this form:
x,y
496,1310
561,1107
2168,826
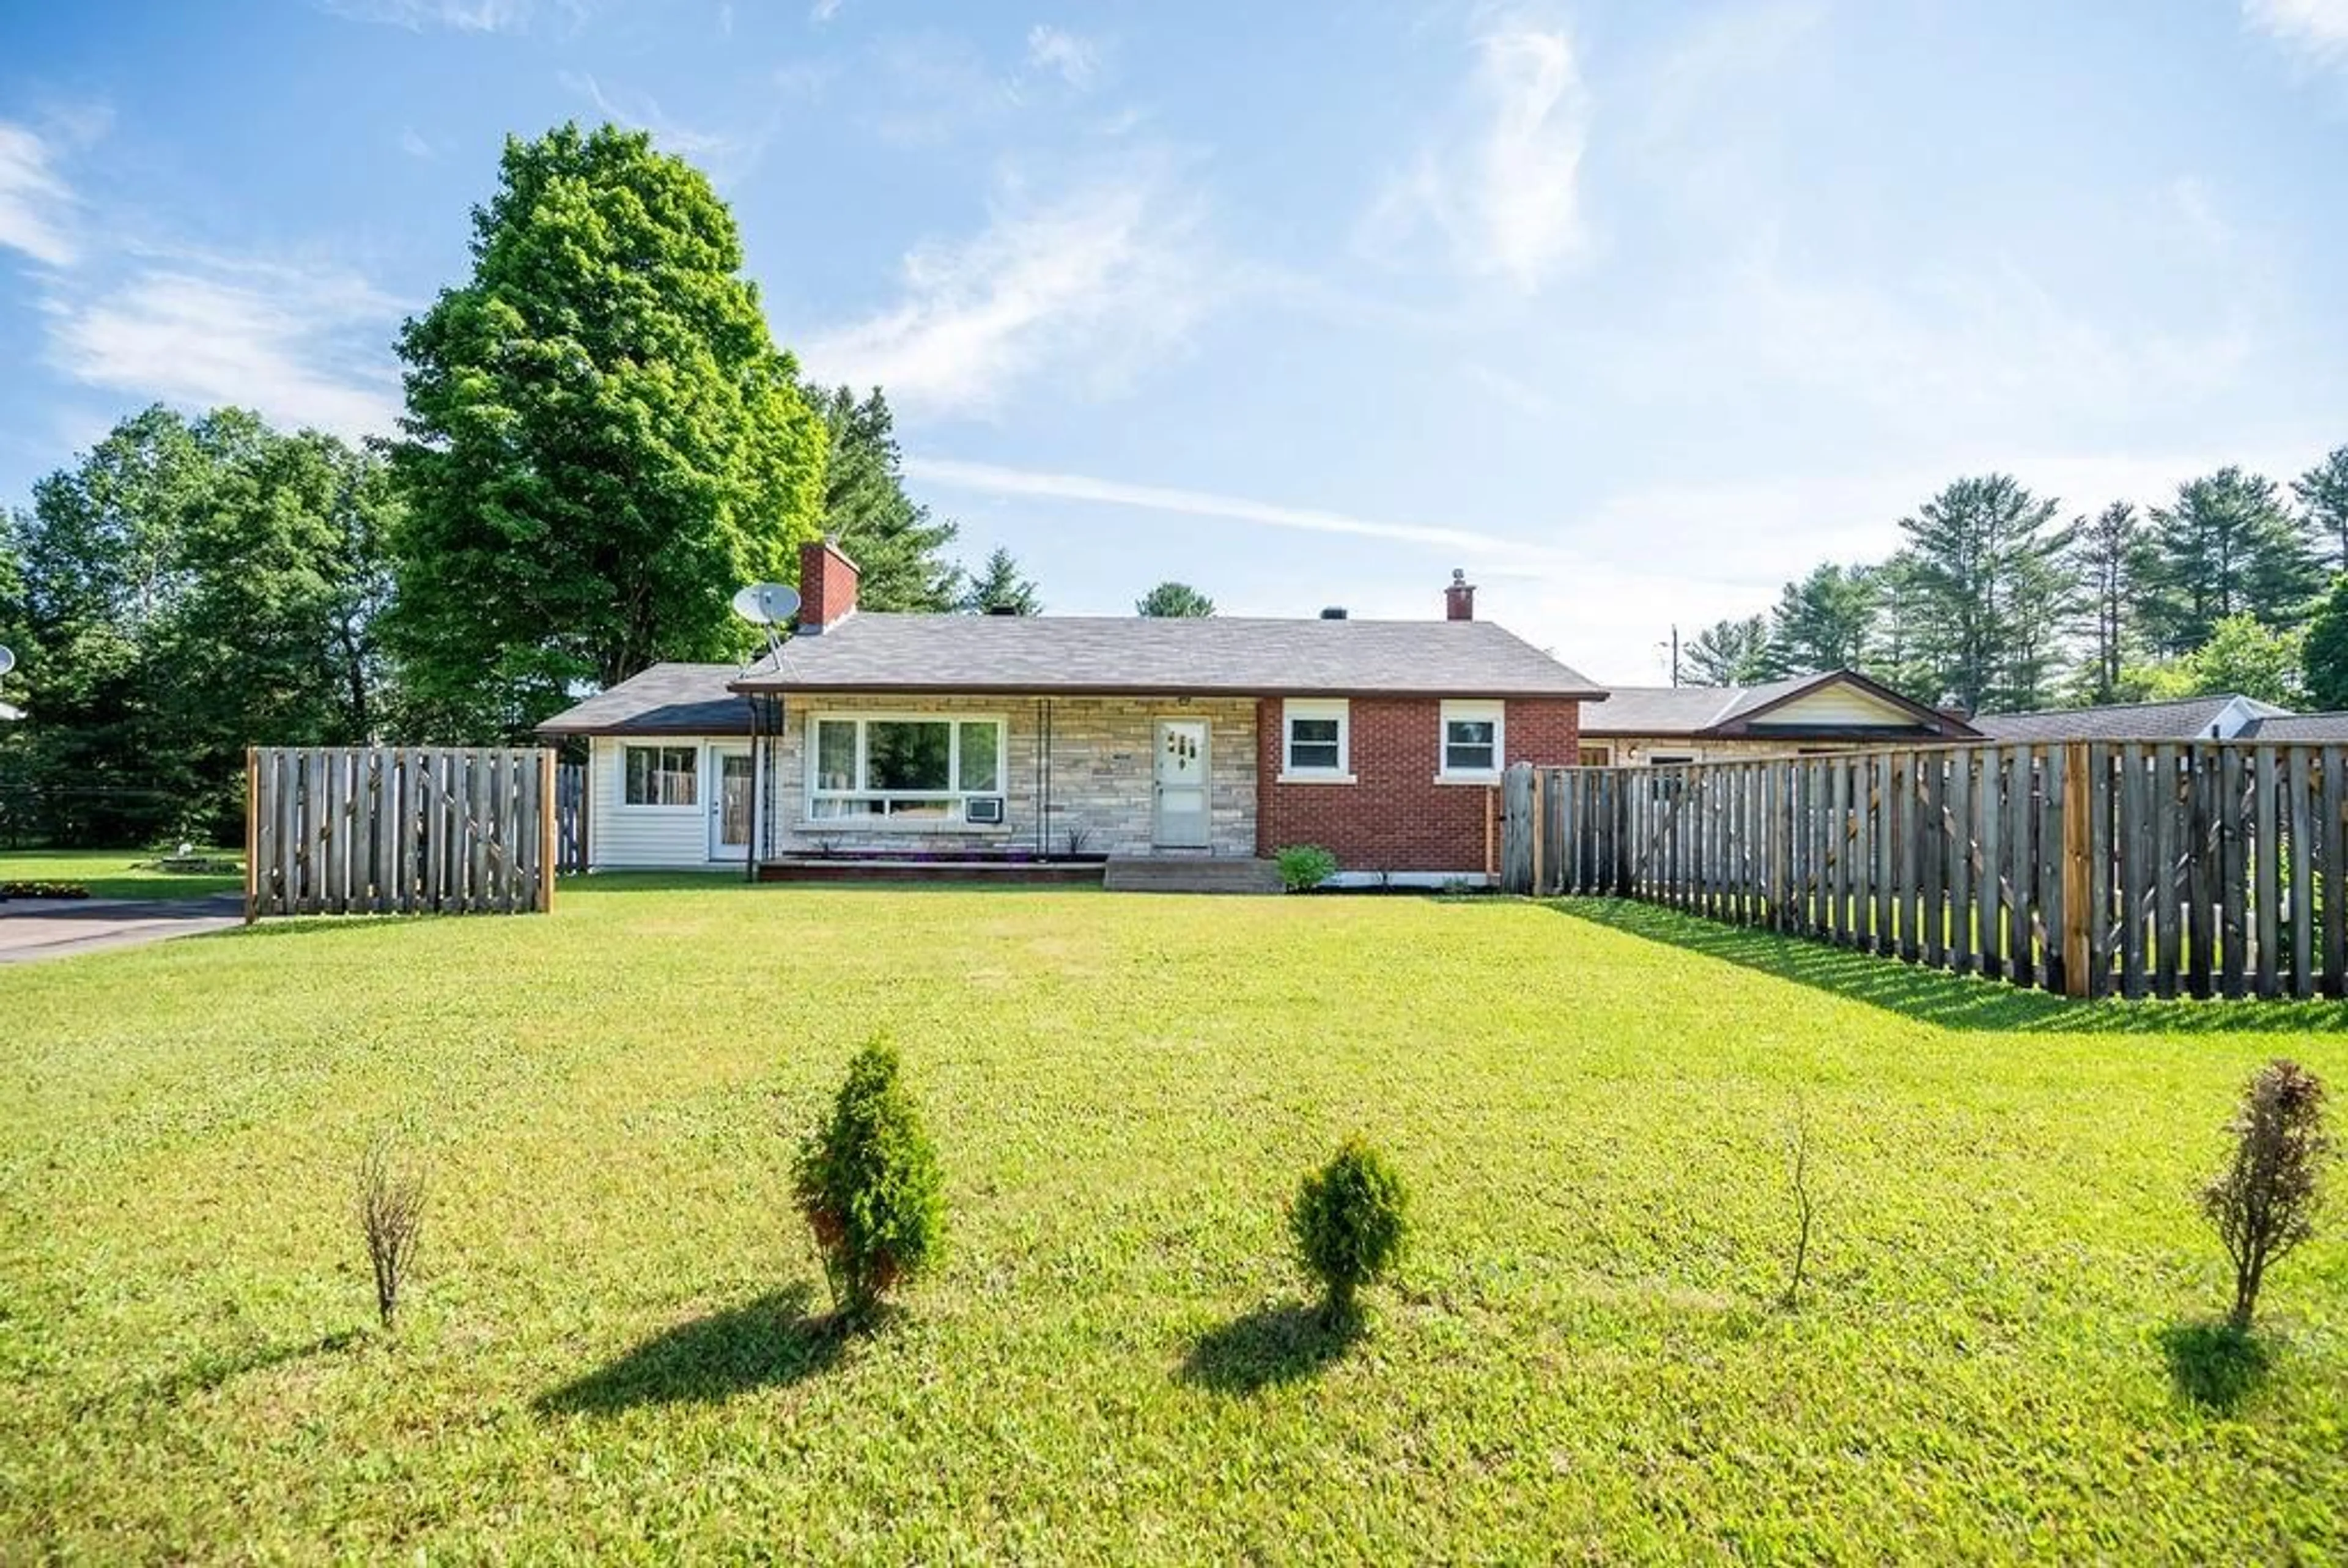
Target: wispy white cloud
x,y
459,16
643,112
2316,30
992,480
823,11
1075,60
1502,186
37,205
303,345
1088,285
414,143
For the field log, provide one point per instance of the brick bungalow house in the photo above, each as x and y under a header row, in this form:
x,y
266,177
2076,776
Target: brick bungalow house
x,y
946,743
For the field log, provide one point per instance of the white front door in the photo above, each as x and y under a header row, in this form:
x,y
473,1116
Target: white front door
x,y
1180,784
729,802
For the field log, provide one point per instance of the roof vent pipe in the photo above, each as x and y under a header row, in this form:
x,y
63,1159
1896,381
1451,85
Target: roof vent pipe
x,y
1334,613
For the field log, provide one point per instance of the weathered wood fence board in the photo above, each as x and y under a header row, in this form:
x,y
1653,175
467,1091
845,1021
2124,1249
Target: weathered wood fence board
x,y
2208,868
400,830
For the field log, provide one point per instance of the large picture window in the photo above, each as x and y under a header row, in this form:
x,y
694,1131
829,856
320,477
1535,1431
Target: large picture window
x,y
908,771
662,775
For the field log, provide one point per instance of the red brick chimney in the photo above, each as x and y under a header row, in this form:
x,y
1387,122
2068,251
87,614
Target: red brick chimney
x,y
827,587
1459,598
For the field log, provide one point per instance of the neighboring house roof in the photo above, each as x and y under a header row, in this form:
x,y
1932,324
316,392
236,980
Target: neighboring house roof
x,y
1136,655
2186,719
665,699
2297,727
1832,703
8,713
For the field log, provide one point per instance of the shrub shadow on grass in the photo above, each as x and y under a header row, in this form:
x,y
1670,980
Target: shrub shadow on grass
x,y
212,1370
770,1342
2215,1364
1936,995
1270,1345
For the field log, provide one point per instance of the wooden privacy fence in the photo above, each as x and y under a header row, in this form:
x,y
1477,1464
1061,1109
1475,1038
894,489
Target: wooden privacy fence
x,y
2203,868
398,830
571,816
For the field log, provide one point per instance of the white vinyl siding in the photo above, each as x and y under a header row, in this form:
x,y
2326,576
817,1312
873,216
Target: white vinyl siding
x,y
620,837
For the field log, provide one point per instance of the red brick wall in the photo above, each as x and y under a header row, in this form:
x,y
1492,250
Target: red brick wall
x,y
1395,816
827,584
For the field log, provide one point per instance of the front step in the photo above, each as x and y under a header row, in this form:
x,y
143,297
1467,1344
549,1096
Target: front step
x,y
1155,873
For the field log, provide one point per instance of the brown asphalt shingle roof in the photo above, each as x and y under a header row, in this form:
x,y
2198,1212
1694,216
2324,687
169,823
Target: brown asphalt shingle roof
x,y
1138,654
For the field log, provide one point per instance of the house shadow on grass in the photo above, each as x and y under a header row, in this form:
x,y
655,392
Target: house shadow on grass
x,y
771,1342
1270,1345
1936,996
2215,1364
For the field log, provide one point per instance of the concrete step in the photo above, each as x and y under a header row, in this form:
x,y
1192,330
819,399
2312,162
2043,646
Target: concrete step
x,y
1174,874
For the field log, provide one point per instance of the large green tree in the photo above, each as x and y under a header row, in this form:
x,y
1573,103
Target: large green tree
x,y
1000,588
1992,594
2323,492
1824,621
188,589
2242,655
2227,545
866,510
602,442
2327,649
1729,653
1171,600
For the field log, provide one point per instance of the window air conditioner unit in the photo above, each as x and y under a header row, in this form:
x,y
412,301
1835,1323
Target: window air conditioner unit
x,y
985,808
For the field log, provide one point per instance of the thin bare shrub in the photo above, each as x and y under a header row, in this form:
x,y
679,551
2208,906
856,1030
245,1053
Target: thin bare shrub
x,y
2263,1203
391,1219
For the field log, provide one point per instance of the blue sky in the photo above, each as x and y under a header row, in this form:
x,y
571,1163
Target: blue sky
x,y
1631,311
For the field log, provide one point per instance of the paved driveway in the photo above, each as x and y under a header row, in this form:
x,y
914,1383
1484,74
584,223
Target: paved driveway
x,y
35,928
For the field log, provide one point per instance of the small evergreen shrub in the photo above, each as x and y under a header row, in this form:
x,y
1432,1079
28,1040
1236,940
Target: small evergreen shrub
x,y
1349,1221
44,889
868,1182
2263,1203
1304,866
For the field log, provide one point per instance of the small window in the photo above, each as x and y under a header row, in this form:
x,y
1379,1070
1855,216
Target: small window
x,y
662,775
1314,743
1473,746
1597,756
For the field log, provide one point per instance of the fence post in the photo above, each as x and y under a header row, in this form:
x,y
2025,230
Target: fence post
x,y
2078,914
251,832
1540,829
546,814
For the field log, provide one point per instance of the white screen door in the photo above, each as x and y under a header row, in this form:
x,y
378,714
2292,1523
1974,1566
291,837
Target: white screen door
x,y
729,805
1180,780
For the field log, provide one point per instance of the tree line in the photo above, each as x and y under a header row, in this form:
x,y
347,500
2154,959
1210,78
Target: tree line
x,y
1995,604
600,443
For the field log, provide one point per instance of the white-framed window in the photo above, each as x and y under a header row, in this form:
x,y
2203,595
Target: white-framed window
x,y
660,775
1313,743
905,770
1475,741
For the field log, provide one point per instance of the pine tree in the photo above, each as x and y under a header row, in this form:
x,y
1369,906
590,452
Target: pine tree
x,y
1000,589
1172,600
2322,491
867,512
2107,555
2327,649
1991,595
1823,622
1729,653
2226,545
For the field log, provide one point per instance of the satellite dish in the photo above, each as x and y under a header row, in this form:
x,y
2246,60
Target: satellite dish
x,y
766,603
7,662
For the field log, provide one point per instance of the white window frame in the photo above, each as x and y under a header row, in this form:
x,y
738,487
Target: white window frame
x,y
700,783
1478,713
956,798
1294,708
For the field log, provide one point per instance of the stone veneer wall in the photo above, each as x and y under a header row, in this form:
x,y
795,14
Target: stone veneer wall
x,y
1100,773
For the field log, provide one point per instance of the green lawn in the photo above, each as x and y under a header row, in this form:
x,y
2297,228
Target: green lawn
x,y
2002,1356
116,873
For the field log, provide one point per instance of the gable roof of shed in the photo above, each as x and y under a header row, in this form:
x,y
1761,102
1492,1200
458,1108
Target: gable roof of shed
x,y
1135,655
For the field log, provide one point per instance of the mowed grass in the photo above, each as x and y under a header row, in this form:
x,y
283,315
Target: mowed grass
x,y
118,873
2002,1352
